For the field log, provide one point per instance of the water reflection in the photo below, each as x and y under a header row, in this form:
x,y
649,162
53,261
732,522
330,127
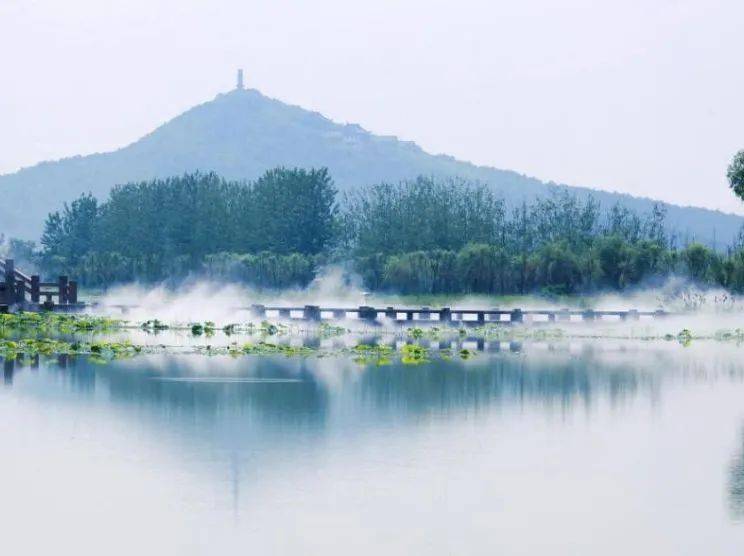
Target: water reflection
x,y
270,389
555,378
736,482
301,388
277,389
274,440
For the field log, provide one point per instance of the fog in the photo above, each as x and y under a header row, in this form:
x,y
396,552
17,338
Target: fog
x,y
705,312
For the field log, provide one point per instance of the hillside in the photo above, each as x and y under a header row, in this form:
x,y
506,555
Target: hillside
x,y
243,133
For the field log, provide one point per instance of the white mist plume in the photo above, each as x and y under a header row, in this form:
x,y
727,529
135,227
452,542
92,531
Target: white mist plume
x,y
703,311
4,247
226,303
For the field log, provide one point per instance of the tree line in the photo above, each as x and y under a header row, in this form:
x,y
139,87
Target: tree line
x,y
420,236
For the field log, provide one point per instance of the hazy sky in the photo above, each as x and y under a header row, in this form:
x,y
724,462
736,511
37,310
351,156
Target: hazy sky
x,y
644,97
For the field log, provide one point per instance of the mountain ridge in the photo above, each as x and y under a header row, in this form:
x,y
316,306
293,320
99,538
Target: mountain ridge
x,y
242,133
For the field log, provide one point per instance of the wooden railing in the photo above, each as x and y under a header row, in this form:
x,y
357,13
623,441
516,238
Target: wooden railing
x,y
17,288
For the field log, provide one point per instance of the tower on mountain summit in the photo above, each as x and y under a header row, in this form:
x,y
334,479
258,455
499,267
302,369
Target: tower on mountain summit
x,y
240,86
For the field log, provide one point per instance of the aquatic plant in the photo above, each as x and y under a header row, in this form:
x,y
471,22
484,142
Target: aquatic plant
x,y
413,354
58,322
48,347
372,354
208,328
466,353
268,348
154,325
327,330
416,332
685,337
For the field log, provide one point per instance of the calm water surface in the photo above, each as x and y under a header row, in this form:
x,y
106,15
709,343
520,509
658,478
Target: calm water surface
x,y
589,448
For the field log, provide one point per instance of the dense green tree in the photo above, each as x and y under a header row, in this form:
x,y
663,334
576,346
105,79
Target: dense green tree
x,y
291,211
557,268
423,214
735,174
70,234
422,236
698,260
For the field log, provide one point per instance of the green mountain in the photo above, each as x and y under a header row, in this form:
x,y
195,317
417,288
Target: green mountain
x,y
241,134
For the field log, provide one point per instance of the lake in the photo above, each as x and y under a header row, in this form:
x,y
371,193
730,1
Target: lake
x,y
588,447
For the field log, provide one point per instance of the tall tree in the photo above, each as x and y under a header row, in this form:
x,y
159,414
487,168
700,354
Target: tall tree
x,y
735,174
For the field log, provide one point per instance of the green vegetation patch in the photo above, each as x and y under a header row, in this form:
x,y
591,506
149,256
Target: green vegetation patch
x,y
48,347
58,322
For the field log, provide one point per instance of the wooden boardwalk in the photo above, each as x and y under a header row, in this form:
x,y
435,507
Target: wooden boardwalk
x,y
444,315
28,293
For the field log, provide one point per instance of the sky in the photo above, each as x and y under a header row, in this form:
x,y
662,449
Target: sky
x,y
643,97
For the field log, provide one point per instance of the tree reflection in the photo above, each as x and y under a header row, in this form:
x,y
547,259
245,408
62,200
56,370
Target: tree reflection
x,y
736,483
558,378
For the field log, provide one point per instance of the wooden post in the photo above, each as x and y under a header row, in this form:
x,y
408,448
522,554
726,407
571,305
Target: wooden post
x,y
35,289
551,317
20,291
391,313
367,313
424,314
62,285
409,315
311,312
72,296
481,317
445,315
258,311
10,281
517,315
588,315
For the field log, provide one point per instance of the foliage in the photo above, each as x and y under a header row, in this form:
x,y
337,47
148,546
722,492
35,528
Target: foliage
x,y
735,174
171,228
57,322
423,214
424,236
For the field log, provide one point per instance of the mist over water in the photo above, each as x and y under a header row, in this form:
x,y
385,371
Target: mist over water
x,y
201,300
703,312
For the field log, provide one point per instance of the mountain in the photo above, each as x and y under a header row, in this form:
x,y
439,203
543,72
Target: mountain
x,y
241,134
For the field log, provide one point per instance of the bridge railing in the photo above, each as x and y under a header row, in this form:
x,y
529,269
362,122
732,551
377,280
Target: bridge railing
x,y
19,288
